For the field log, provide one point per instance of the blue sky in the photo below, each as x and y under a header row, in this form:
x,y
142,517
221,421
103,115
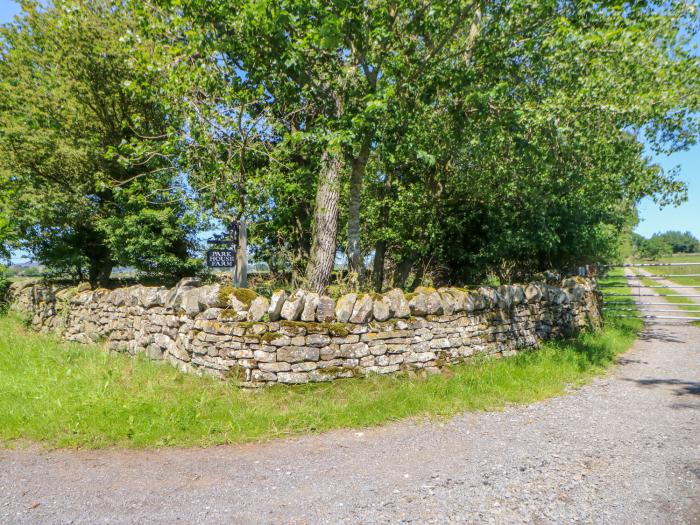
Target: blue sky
x,y
653,219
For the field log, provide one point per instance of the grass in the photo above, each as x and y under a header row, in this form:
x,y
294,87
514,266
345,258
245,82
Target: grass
x,y
677,270
675,298
70,395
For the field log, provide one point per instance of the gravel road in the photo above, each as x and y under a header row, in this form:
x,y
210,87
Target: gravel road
x,y
689,292
625,449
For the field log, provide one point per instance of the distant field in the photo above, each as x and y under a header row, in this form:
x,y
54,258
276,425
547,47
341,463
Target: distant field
x,y
678,270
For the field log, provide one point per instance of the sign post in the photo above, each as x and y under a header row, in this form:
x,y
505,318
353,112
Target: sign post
x,y
240,272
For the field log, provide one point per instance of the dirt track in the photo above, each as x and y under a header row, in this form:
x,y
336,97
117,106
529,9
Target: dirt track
x,y
625,449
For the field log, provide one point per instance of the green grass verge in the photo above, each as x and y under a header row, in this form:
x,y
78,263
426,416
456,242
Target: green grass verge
x,y
70,395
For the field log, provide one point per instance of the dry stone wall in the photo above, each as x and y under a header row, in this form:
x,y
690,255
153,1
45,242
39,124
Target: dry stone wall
x,y
304,337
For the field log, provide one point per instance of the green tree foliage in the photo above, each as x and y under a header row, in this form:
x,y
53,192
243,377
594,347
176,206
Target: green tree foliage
x,y
665,244
455,138
449,139
681,242
653,248
66,110
4,288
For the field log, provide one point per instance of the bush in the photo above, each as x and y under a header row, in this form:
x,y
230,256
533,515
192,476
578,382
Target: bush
x,y
4,289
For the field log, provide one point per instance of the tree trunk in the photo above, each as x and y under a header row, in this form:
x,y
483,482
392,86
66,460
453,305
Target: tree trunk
x,y
378,266
359,165
418,277
325,226
402,271
380,246
99,272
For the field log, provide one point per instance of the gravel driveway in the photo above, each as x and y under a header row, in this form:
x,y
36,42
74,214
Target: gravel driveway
x,y
625,449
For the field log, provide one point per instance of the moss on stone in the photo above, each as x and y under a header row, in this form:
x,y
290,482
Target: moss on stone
x,y
425,289
334,329
228,314
268,337
409,296
298,324
330,370
244,295
237,373
338,330
493,316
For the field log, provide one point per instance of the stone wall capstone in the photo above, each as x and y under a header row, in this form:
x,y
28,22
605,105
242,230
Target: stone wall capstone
x,y
303,337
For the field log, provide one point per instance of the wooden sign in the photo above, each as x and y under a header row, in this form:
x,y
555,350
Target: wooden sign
x,y
221,258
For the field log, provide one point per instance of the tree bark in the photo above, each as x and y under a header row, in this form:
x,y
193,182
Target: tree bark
x,y
380,245
325,227
378,266
403,269
359,165
100,272
418,277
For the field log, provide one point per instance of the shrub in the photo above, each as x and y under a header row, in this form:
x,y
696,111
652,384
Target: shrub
x,y
4,289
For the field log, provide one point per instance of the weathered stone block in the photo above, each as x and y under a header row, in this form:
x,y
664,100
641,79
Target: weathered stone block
x,y
264,357
390,369
305,366
295,354
311,301
325,310
211,314
258,308
293,377
237,354
276,303
381,309
275,367
259,375
362,310
353,350
317,340
293,306
344,307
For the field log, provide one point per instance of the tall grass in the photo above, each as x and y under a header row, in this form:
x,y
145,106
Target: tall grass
x,y
71,395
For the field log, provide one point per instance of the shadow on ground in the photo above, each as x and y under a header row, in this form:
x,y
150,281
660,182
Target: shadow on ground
x,y
683,387
659,334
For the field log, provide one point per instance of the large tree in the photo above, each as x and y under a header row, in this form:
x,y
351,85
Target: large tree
x,y
66,110
471,137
